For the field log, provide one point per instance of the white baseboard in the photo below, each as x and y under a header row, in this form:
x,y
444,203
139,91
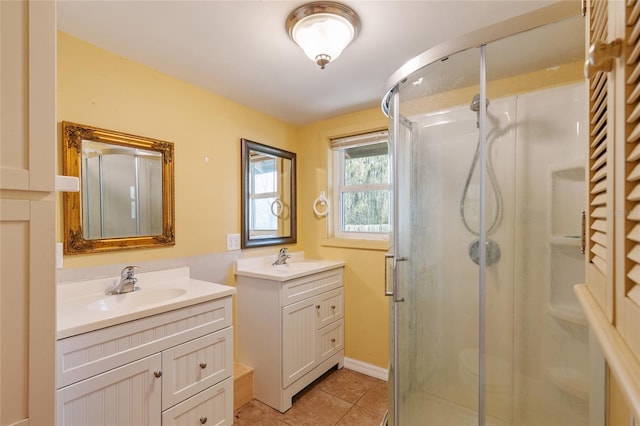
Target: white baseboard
x,y
366,368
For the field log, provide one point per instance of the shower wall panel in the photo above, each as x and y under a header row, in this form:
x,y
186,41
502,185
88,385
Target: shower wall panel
x,y
551,347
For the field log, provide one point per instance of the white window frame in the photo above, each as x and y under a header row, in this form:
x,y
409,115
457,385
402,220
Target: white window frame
x,y
338,146
255,196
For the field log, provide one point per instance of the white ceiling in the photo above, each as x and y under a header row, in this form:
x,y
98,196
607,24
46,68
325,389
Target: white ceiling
x,y
241,51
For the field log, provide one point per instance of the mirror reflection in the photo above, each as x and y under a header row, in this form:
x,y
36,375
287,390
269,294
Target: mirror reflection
x,y
269,209
121,191
126,195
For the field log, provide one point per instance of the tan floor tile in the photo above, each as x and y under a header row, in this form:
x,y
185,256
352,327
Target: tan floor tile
x,y
359,417
325,403
316,408
256,413
375,400
346,384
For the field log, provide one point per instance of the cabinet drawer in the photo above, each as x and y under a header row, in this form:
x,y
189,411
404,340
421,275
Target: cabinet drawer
x,y
330,340
128,395
305,287
86,355
194,366
329,307
214,406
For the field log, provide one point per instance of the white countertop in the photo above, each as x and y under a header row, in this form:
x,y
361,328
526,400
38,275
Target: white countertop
x,y
84,306
297,266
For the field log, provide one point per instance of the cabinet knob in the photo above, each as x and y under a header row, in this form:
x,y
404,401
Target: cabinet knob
x,y
601,56
333,340
203,365
317,306
333,307
158,373
203,420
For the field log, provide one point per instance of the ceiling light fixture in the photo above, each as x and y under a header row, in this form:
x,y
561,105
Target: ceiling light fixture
x,y
323,29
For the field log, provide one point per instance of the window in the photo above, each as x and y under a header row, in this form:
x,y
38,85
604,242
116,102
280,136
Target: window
x,y
361,186
263,194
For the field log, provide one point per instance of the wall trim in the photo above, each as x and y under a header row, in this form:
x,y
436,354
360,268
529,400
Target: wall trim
x,y
366,368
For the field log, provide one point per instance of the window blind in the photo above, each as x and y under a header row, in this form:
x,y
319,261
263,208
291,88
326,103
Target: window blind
x,y
360,140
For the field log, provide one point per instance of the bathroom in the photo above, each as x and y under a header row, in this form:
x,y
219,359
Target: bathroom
x,y
96,87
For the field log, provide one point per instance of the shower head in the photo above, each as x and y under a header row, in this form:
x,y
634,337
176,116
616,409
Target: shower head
x,y
475,103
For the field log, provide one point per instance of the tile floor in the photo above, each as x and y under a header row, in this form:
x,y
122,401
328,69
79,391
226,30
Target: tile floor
x,y
340,397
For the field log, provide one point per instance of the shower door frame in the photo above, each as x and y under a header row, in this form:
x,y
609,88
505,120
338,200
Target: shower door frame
x,y
547,15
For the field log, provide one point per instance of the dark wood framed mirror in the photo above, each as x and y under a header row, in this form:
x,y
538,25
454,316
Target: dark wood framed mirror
x,y
126,197
268,195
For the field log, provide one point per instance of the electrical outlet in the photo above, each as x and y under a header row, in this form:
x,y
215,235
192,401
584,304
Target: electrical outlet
x,y
233,242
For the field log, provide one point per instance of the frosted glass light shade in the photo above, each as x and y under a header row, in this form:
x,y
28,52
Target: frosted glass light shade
x,y
323,30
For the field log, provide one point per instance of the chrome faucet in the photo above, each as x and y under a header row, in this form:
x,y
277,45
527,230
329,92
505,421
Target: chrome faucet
x,y
127,282
282,257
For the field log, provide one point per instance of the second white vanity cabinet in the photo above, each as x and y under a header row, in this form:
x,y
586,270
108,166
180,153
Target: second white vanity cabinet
x,y
172,368
290,331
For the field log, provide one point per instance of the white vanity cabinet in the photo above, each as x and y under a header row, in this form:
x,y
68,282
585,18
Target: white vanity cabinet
x,y
290,331
173,368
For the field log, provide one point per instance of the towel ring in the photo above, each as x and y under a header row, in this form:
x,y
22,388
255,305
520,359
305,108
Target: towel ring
x,y
321,200
277,207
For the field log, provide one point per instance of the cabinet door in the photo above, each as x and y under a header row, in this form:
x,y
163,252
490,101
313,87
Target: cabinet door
x,y
600,220
128,395
628,272
298,340
27,211
214,406
194,366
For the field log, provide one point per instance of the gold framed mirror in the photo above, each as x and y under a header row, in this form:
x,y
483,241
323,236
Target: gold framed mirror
x,y
268,195
126,197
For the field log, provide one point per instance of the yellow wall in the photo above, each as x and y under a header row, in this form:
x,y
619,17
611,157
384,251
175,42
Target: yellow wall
x,y
366,308
101,89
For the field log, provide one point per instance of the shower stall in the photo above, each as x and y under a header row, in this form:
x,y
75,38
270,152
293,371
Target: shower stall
x,y
488,144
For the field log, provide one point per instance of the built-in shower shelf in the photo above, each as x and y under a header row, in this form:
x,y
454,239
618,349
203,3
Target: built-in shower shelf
x,y
565,240
570,381
572,314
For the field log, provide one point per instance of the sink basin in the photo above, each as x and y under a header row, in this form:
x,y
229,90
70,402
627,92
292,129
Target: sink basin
x,y
136,299
297,266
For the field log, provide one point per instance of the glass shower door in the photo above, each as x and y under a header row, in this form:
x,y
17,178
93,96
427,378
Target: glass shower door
x,y
436,296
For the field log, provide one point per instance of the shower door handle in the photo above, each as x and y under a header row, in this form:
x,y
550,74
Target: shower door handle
x,y
387,292
583,233
394,287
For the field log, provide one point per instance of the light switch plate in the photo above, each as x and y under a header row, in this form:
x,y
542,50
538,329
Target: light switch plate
x,y
233,242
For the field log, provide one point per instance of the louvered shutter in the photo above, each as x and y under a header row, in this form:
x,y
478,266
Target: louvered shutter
x,y
600,225
628,318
